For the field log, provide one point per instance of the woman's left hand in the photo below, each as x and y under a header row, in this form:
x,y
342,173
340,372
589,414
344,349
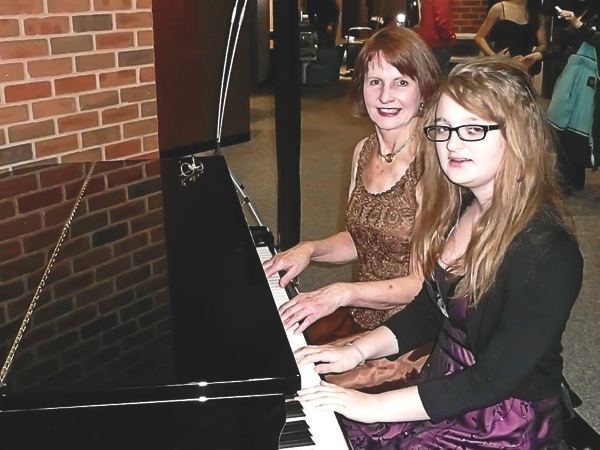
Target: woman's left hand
x,y
570,17
566,15
530,59
352,404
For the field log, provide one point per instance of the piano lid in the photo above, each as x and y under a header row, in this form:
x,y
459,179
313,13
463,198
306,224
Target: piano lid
x,y
156,284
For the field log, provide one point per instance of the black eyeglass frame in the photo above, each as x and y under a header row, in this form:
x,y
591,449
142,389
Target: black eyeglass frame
x,y
485,128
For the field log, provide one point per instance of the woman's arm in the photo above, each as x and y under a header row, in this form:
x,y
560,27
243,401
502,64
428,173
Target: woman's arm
x,y
417,324
570,17
484,30
307,307
398,405
394,406
336,359
420,318
382,294
537,54
336,249
542,38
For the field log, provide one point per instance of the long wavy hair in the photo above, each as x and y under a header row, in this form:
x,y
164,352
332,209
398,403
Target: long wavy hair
x,y
527,181
407,52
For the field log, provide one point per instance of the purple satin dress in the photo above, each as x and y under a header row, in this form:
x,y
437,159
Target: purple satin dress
x,y
511,424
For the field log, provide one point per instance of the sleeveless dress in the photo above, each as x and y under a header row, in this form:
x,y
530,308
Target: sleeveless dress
x,y
381,226
519,38
512,423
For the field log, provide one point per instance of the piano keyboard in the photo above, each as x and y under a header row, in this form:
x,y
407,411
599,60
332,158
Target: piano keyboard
x,y
324,431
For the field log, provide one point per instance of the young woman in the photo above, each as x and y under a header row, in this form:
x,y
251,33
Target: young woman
x,y
394,77
515,28
502,270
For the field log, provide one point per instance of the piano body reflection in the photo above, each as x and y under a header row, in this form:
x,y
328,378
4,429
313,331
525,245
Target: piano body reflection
x,y
155,326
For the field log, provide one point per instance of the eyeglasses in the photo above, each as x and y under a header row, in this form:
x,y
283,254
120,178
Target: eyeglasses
x,y
468,133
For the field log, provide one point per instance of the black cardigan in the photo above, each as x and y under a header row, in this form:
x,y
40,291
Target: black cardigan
x,y
514,332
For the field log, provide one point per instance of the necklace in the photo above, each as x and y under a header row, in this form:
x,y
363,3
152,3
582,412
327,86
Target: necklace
x,y
390,156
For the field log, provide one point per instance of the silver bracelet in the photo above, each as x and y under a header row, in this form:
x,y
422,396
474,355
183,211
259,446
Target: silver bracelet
x,y
362,356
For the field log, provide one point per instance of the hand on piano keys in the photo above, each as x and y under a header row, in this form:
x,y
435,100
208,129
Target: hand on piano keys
x,y
351,403
325,430
331,358
292,262
308,307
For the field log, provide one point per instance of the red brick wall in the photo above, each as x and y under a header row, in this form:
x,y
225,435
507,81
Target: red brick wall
x,y
469,14
76,81
77,78
109,278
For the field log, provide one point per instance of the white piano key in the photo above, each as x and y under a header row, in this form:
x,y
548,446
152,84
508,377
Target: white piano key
x,y
323,425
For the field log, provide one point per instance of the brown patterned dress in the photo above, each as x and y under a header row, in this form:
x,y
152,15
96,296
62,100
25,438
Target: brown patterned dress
x,y
381,225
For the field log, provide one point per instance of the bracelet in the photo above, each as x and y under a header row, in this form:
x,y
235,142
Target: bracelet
x,y
362,356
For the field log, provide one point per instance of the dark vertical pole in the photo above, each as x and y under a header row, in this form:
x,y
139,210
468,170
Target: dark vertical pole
x,y
286,28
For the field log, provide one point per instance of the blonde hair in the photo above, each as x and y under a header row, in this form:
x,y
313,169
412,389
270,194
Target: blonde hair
x,y
527,182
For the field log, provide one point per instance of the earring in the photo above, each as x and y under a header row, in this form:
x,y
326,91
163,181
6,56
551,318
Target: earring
x,y
421,108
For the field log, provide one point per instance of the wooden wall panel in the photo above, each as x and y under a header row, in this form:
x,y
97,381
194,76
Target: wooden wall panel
x,y
190,45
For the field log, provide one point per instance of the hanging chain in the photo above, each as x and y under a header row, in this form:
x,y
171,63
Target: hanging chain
x,y
38,291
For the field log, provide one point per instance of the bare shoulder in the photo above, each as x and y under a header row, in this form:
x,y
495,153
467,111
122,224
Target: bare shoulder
x,y
496,10
357,150
355,156
360,145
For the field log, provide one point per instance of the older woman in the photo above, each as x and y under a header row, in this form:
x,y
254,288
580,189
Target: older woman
x,y
394,77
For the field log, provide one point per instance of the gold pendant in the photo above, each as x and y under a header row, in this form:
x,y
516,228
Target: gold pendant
x,y
388,158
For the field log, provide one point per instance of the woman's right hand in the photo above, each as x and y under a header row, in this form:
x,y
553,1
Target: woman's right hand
x,y
328,358
570,17
566,15
307,307
292,261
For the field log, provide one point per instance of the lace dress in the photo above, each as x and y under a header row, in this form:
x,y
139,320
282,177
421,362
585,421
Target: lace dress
x,y
511,424
381,226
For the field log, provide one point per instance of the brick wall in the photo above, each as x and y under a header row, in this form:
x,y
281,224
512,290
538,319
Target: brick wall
x,y
106,297
77,78
76,81
469,14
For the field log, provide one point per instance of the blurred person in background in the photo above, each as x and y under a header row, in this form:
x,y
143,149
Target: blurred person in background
x,y
574,109
515,28
435,27
324,16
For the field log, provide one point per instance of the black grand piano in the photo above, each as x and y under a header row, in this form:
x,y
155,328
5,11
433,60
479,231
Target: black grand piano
x,y
134,313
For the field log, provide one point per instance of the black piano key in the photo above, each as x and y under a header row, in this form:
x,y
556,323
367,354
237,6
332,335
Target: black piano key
x,y
296,439
294,409
295,426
